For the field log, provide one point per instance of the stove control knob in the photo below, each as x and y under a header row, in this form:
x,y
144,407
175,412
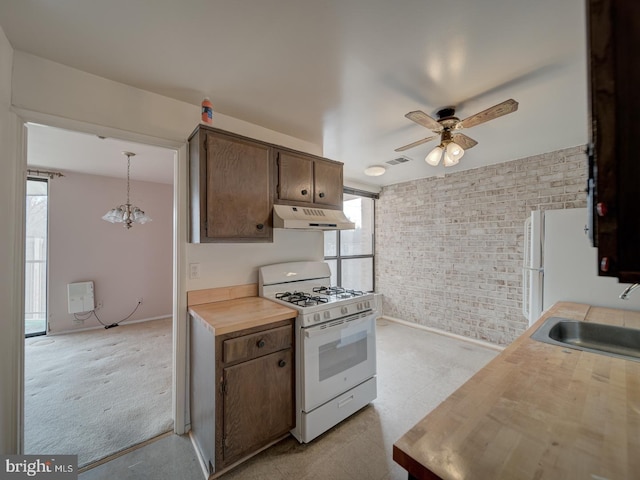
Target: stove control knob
x,y
359,306
316,317
344,310
327,314
367,304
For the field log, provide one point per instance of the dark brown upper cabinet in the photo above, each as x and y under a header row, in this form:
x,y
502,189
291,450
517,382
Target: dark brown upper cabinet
x,y
233,182
232,191
307,179
614,163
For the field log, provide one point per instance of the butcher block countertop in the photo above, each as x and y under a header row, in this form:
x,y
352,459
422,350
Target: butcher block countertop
x,y
537,411
229,316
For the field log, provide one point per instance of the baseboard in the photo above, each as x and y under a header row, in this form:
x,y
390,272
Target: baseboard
x,y
97,327
242,460
203,466
481,343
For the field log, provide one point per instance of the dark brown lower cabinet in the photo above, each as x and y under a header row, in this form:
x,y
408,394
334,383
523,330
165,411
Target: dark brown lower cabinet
x,y
257,403
255,397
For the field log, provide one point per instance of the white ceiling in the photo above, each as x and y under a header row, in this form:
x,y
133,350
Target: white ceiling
x,y
339,73
66,151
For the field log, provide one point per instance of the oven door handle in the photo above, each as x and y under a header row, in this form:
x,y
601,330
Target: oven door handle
x,y
316,330
310,333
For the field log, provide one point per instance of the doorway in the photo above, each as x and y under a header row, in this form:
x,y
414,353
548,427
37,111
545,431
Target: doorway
x,y
36,249
83,247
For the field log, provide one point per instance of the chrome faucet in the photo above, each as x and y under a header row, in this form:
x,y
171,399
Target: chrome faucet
x,y
628,290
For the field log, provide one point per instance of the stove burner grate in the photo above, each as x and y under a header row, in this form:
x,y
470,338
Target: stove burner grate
x,y
301,299
338,292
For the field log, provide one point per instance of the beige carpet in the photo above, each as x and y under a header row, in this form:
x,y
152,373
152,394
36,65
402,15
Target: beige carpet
x,y
97,392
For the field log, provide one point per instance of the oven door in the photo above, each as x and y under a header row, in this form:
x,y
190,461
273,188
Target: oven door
x,y
337,356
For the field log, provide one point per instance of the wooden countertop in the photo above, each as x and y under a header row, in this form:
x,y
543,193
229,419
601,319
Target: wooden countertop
x,y
241,313
537,411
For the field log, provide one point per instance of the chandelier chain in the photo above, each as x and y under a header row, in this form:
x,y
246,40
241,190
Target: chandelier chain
x,y
128,169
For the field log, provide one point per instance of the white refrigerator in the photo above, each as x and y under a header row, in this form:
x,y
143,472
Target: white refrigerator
x,y
561,265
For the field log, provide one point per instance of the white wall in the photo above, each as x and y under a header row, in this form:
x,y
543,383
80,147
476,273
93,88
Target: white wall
x,y
123,264
9,250
237,263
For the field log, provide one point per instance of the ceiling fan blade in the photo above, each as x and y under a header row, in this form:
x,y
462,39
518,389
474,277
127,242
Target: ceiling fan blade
x,y
415,144
508,106
425,120
465,142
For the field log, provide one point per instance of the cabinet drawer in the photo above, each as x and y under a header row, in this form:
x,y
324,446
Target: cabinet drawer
x,y
257,344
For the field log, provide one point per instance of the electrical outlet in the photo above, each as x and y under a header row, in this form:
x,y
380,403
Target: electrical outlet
x,y
139,300
194,271
99,305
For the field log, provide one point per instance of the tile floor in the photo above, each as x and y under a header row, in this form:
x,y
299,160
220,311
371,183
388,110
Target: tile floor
x,y
416,371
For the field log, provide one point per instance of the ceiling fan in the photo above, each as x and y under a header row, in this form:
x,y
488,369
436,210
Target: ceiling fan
x,y
453,144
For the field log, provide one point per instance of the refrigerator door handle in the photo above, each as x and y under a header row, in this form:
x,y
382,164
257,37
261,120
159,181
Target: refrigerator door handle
x,y
526,264
527,273
532,270
526,261
525,293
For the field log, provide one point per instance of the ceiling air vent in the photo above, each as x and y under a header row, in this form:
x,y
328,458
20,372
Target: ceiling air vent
x,y
398,160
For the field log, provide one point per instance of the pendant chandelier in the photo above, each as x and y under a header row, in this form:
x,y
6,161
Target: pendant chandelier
x,y
127,213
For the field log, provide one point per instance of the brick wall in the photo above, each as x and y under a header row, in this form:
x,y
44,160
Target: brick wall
x,y
449,250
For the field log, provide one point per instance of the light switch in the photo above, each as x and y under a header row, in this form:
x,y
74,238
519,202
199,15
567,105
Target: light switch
x,y
194,271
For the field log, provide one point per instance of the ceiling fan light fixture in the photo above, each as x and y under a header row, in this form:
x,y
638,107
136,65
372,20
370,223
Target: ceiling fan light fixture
x,y
433,157
455,151
375,170
450,161
447,126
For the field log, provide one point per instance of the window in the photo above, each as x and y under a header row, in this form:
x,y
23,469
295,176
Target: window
x,y
35,274
350,253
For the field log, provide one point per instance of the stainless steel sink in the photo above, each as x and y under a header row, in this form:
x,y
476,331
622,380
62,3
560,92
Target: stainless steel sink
x,y
609,340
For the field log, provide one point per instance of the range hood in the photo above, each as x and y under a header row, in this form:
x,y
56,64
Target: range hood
x,y
309,218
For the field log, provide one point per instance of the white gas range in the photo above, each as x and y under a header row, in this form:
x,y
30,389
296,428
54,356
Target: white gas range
x,y
335,344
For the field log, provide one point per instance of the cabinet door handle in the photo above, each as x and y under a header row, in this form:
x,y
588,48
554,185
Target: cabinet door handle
x,y
260,226
321,195
282,363
261,343
304,192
